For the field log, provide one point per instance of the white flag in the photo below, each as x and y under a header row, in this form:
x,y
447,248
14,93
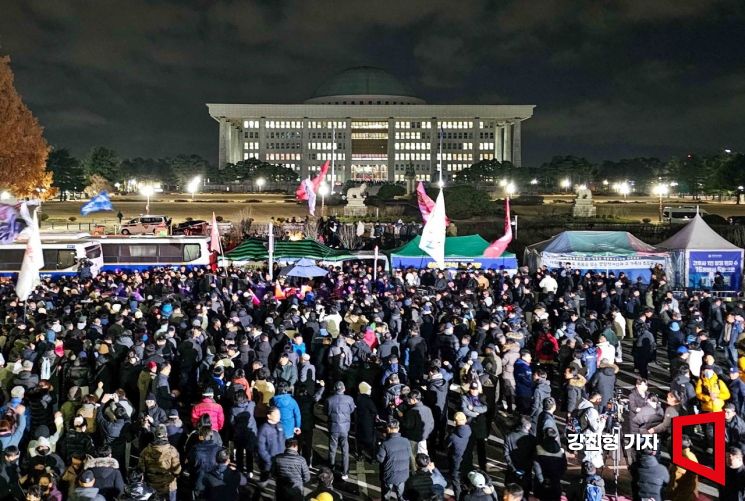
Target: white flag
x,y
433,234
33,258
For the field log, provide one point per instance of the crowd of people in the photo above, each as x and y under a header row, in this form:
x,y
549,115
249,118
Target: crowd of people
x,y
194,384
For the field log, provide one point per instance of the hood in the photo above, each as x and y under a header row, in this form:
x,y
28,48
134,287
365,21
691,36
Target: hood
x,y
102,463
585,404
609,369
515,336
578,382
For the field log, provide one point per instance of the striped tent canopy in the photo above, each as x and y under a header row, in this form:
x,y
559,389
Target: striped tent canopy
x,y
250,249
253,249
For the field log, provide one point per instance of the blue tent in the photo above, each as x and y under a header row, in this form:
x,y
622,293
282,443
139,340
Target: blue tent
x,y
601,251
460,252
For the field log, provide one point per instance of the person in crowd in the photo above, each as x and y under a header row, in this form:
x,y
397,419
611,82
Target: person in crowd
x,y
648,476
733,488
290,471
393,456
340,408
683,483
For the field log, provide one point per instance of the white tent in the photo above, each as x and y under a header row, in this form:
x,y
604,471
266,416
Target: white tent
x,y
698,253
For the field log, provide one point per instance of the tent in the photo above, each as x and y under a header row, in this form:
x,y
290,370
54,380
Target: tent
x,y
460,252
697,252
253,249
616,251
304,268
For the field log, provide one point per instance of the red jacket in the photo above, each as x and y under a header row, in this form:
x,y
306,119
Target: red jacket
x,y
548,352
212,409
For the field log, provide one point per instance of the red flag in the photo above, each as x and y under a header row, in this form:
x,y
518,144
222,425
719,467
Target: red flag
x,y
497,247
301,193
426,204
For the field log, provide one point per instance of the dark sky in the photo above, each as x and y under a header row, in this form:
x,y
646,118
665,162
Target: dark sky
x,y
611,79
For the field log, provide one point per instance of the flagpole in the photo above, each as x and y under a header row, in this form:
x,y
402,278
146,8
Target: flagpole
x,y
333,157
271,251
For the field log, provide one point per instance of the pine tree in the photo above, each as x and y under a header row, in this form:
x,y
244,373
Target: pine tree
x,y
23,149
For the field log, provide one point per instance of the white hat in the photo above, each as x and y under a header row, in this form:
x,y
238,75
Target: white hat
x,y
17,392
365,388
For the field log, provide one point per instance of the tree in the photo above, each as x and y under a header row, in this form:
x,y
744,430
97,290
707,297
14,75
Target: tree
x,y
641,170
248,170
184,168
104,162
145,169
96,184
68,171
486,171
576,169
23,149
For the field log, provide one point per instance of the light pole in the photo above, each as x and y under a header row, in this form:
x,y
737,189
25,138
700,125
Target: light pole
x,y
661,190
260,182
193,186
323,190
566,184
510,189
147,190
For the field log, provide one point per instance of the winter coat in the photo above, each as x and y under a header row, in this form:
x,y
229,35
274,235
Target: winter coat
x,y
457,445
712,393
648,478
222,482
290,472
365,415
417,423
212,409
436,394
109,479
271,441
548,468
575,392
541,392
519,450
476,415
523,379
289,413
286,373
339,408
509,359
734,485
86,494
160,461
604,382
242,420
734,432
393,456
75,442
683,483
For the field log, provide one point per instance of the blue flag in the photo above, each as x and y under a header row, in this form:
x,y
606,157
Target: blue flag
x,y
98,203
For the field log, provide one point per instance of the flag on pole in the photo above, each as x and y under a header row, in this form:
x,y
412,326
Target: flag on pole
x,y
309,186
33,258
497,247
426,204
433,234
100,202
278,292
311,196
215,236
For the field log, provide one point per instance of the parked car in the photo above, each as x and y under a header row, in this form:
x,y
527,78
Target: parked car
x,y
736,220
145,225
194,227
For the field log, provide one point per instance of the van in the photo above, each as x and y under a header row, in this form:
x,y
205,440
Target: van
x,y
145,225
682,214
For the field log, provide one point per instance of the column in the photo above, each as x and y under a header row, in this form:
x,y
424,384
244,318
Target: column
x,y
434,137
235,143
498,146
222,147
262,139
507,148
391,149
517,159
305,160
347,152
475,151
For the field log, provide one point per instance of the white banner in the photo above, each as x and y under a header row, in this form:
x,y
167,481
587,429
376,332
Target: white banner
x,y
552,260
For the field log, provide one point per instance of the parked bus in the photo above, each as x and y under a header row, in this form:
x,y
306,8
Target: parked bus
x,y
681,214
61,257
142,252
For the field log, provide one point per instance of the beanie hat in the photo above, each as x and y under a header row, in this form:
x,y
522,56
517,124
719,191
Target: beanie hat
x,y
17,392
365,388
161,432
459,418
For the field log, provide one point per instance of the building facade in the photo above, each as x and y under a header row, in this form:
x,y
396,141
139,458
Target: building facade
x,y
373,129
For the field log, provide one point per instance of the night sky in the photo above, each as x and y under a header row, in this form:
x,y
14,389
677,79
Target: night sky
x,y
610,79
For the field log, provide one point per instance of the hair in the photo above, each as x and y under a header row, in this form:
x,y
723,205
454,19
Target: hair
x,y
549,402
524,352
525,423
422,460
514,490
415,395
653,399
34,491
283,388
11,450
222,456
104,451
735,451
541,373
205,432
589,468
393,424
325,476
685,442
640,380
291,443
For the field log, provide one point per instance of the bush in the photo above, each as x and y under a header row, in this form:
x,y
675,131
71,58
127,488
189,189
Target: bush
x,y
72,219
465,201
389,190
646,220
181,200
44,216
527,200
189,219
252,201
219,219
714,219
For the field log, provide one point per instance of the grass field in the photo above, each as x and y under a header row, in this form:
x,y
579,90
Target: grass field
x,y
262,207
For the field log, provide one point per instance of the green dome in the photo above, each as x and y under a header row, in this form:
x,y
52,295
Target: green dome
x,y
362,81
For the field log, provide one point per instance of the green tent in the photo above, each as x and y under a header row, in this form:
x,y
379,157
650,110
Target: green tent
x,y
253,249
460,252
249,250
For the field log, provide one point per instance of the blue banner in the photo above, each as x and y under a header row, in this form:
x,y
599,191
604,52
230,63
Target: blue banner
x,y
704,265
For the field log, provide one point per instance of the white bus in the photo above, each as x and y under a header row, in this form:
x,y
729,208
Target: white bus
x,y
681,214
61,257
144,251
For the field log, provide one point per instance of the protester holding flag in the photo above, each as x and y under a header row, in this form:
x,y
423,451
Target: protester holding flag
x,y
33,258
434,233
98,203
309,188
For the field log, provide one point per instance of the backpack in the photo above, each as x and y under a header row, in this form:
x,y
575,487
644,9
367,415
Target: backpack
x,y
574,421
593,492
547,348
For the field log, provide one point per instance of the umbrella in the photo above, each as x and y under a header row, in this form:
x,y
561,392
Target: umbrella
x,y
304,268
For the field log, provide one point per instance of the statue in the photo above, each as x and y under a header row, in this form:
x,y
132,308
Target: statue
x,y
356,201
583,203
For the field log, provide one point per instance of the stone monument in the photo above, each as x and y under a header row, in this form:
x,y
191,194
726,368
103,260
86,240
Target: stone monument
x,y
583,203
356,201
410,176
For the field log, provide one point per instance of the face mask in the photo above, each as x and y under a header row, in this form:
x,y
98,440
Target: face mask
x,y
708,373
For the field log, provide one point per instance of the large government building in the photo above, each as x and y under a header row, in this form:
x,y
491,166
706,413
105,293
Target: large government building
x,y
373,127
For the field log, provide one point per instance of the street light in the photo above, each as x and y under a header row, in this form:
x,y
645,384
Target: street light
x,y
260,182
624,189
323,190
5,195
503,183
441,183
510,189
117,185
534,181
147,190
193,186
661,190
566,183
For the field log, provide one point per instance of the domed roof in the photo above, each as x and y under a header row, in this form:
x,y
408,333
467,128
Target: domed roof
x,y
362,81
